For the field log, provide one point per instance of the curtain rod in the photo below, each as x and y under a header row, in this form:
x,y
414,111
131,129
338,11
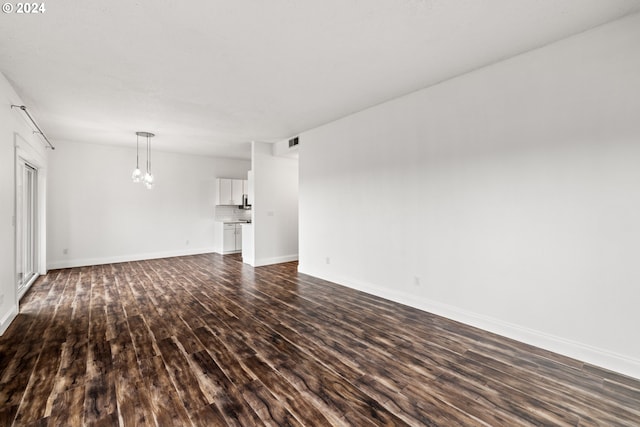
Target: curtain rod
x,y
23,108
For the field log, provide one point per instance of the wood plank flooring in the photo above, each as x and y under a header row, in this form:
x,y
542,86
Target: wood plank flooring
x,y
208,341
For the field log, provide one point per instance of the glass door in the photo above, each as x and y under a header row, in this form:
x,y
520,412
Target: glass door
x,y
26,230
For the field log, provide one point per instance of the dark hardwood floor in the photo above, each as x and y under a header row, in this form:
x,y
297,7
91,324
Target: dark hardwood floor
x,y
208,341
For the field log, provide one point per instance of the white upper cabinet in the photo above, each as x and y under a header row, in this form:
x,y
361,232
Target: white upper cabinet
x,y
230,191
237,191
224,191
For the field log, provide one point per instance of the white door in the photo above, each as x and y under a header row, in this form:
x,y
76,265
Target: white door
x,y
229,238
26,230
238,237
225,192
237,191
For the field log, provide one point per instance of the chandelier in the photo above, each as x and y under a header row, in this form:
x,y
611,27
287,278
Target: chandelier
x,y
137,175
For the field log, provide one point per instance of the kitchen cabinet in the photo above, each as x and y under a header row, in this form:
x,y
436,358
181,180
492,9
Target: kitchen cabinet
x,y
237,190
232,238
238,237
230,191
224,194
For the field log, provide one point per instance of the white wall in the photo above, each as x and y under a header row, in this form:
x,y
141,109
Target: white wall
x,y
275,206
16,137
507,198
99,215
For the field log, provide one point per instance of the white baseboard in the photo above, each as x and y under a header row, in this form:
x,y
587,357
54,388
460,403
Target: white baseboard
x,y
259,262
26,288
227,252
586,353
7,319
82,262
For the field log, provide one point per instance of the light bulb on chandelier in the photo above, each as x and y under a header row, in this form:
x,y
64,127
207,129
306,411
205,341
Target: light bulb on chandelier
x,y
136,176
148,180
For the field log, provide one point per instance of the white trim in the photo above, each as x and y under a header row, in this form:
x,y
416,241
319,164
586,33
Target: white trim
x,y
235,251
33,153
82,262
7,319
596,356
259,262
27,286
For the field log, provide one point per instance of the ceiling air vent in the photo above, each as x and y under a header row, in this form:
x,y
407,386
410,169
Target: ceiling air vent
x,y
293,142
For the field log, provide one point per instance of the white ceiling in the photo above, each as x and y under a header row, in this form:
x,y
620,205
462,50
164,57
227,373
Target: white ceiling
x,y
208,76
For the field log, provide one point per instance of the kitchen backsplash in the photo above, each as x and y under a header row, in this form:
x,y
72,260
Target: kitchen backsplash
x,y
231,213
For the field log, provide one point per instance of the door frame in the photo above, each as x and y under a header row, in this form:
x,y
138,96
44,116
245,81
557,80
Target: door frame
x,y
28,221
35,157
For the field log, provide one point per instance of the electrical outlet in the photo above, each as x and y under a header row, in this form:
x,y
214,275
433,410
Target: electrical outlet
x,y
65,251
187,243
416,280
327,260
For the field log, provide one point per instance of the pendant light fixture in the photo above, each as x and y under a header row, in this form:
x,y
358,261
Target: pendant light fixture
x,y
137,173
136,176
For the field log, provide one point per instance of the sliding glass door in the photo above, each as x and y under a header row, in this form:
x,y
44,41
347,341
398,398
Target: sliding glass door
x,y
26,225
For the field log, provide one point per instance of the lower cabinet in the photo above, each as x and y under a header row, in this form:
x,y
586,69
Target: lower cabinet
x,y
232,238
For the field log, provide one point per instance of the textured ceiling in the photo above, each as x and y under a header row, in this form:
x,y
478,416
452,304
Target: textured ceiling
x,y
208,76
